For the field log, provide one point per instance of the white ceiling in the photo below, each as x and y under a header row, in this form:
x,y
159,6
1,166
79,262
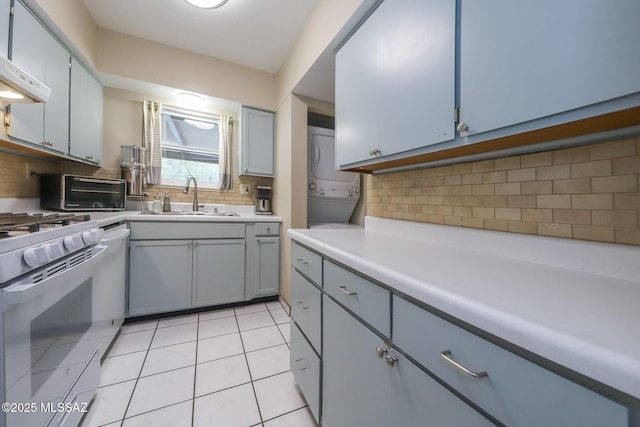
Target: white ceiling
x,y
255,33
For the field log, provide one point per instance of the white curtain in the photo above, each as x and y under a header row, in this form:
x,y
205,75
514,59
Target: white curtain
x,y
152,140
224,150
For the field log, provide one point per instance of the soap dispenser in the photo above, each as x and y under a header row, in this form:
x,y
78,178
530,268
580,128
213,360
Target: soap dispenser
x,y
166,206
157,204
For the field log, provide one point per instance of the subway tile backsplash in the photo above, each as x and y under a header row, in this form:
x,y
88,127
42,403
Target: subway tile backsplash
x,y
15,184
589,193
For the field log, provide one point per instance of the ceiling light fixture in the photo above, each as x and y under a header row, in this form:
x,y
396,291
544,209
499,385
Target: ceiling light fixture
x,y
207,4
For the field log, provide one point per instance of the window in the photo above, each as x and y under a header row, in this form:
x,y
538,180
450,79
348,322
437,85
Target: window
x,y
190,142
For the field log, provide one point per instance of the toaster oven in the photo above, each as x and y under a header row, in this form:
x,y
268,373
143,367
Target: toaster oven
x,y
81,193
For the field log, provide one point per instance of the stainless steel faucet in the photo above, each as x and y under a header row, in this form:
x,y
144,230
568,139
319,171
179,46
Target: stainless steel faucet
x,y
185,190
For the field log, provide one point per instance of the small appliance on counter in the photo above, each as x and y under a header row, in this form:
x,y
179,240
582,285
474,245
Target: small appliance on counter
x,y
263,199
82,193
133,169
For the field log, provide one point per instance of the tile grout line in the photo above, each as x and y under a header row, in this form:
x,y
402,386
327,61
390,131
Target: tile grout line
x,y
246,360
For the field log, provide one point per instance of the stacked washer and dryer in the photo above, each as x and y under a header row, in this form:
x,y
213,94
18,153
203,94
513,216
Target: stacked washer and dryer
x,y
332,195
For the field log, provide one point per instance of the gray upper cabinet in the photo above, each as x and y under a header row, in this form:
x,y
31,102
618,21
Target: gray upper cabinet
x,y
5,7
257,143
85,140
39,53
395,81
521,61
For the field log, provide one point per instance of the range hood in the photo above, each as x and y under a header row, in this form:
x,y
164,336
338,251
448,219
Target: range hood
x,y
17,85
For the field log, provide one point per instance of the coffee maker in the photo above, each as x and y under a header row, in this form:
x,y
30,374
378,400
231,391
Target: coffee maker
x,y
133,169
263,200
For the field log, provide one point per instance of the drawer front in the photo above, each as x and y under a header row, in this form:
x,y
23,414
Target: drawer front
x,y
307,262
305,308
154,230
267,229
364,299
305,366
515,391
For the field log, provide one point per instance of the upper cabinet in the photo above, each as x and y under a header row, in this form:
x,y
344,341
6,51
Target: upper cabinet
x,y
422,81
521,61
395,85
257,142
5,8
39,53
85,141
69,124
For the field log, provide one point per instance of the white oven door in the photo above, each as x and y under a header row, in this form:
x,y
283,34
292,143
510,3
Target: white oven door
x,y
49,336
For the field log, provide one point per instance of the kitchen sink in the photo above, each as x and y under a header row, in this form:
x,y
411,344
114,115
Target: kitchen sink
x,y
200,213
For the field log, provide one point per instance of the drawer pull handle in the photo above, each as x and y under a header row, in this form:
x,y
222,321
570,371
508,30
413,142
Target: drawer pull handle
x,y
303,261
301,305
380,352
391,360
300,365
446,356
346,292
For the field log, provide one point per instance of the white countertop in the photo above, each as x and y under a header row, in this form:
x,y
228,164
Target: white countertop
x,y
245,213
575,303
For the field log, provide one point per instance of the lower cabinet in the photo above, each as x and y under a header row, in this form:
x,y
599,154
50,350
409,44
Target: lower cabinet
x,y
267,266
169,275
159,276
362,389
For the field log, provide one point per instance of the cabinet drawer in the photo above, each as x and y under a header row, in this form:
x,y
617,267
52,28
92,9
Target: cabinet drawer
x,y
365,299
307,262
305,366
267,229
185,230
515,391
305,308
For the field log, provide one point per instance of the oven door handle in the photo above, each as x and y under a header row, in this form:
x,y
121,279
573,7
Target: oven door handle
x,y
19,294
110,237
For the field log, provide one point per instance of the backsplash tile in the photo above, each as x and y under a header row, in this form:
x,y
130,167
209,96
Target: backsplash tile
x,y
589,193
14,182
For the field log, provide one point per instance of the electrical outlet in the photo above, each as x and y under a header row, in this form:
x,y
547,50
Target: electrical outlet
x,y
28,170
245,189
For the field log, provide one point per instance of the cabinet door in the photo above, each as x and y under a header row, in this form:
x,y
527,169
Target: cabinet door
x,y
56,110
218,271
159,276
521,61
5,7
267,266
29,52
86,115
395,81
257,143
360,389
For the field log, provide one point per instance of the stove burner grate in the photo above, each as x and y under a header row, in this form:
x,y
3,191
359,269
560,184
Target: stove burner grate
x,y
31,223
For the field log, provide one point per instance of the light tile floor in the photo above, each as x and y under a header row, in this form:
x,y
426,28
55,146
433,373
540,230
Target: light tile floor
x,y
223,368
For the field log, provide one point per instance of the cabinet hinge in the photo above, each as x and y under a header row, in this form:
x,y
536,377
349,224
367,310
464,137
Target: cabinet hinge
x,y
7,120
456,115
11,10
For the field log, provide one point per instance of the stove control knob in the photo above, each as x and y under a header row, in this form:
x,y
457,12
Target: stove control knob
x,y
321,191
35,256
92,236
73,243
54,250
312,186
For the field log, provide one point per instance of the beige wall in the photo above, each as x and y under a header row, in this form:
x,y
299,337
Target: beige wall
x,y
134,58
589,193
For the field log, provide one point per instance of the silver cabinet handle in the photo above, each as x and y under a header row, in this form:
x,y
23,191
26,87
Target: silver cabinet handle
x,y
375,151
346,292
89,157
301,305
446,356
47,143
300,365
302,261
462,127
380,352
391,360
